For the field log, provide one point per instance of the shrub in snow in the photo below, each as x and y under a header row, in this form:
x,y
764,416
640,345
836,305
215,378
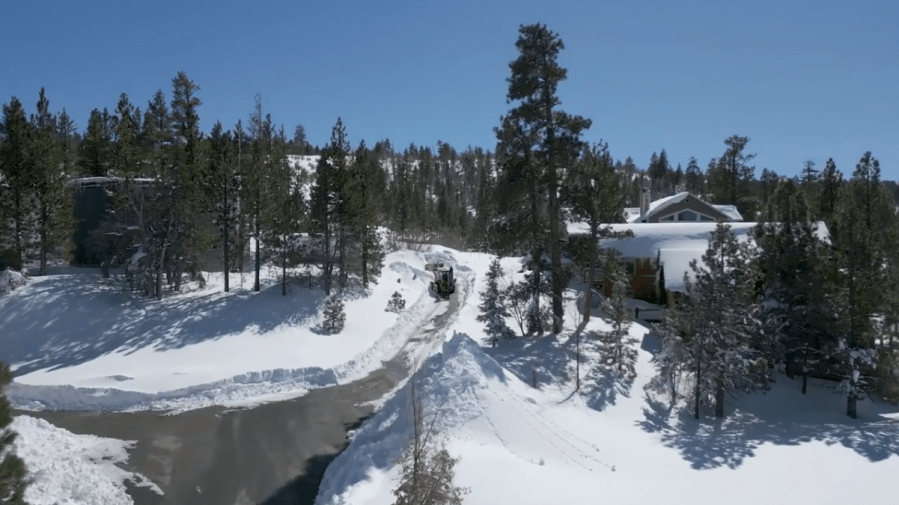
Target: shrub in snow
x,y
396,303
334,316
493,310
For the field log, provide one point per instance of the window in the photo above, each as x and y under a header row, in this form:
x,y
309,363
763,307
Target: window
x,y
628,267
705,218
667,218
687,215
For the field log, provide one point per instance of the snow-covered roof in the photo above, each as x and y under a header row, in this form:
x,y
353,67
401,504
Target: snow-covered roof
x,y
673,244
632,214
730,211
677,263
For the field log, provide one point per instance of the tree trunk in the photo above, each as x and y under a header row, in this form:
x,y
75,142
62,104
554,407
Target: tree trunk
x,y
851,406
698,378
284,269
258,260
225,225
719,399
588,295
365,257
804,383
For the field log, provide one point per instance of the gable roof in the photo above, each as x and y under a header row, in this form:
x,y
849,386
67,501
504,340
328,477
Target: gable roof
x,y
632,214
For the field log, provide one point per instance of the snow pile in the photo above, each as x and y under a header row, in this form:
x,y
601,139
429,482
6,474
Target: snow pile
x,y
10,280
452,384
69,469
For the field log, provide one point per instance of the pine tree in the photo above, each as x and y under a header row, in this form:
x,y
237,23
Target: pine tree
x,y
693,178
189,213
831,179
222,184
864,234
13,473
365,188
334,316
809,174
709,334
493,310
595,195
94,153
55,221
549,139
16,164
328,204
616,346
791,257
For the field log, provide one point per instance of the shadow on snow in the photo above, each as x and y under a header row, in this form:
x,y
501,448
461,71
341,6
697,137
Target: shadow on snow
x,y
67,320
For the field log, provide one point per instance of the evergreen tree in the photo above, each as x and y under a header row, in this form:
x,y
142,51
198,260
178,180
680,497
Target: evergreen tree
x,y
595,196
255,180
288,205
693,178
328,203
334,316
55,220
796,298
549,138
493,311
831,180
222,184
616,346
13,473
809,174
16,164
94,154
864,235
67,132
709,334
365,187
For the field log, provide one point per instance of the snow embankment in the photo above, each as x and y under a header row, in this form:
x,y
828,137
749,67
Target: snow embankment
x,y
487,416
69,469
79,345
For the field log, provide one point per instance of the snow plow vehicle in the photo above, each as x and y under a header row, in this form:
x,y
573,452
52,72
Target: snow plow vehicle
x,y
443,284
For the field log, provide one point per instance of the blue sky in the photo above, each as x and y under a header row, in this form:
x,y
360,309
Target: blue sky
x,y
802,79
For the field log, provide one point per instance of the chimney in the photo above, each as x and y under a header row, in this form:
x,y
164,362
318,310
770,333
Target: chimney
x,y
644,203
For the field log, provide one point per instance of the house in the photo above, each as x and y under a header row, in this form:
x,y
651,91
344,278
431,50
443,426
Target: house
x,y
659,254
680,207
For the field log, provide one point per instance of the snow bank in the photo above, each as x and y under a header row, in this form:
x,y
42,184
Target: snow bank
x,y
452,384
69,469
10,280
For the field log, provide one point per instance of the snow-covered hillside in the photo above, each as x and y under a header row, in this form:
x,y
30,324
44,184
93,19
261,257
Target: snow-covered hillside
x,y
85,344
610,443
77,342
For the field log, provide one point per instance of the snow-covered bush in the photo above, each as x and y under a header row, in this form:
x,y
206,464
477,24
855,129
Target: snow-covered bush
x,y
10,280
334,316
396,303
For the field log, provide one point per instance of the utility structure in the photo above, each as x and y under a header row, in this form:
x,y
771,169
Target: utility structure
x,y
443,284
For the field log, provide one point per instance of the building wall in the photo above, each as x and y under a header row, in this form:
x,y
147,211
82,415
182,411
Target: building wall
x,y
643,279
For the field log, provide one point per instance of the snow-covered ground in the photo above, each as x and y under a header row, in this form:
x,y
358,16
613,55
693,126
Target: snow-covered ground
x,y
517,444
611,442
77,342
69,469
